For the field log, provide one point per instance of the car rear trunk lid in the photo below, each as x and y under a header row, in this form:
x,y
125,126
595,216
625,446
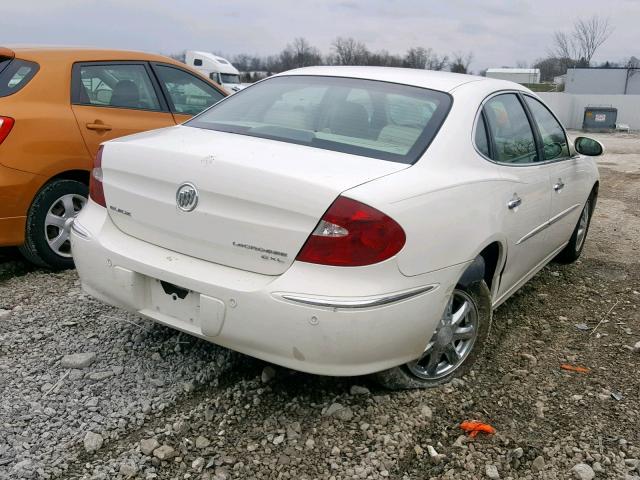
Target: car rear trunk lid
x,y
258,199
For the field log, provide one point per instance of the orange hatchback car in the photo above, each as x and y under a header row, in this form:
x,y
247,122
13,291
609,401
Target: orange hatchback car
x,y
56,106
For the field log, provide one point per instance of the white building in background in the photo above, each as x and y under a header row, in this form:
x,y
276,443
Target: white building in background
x,y
560,79
603,81
518,75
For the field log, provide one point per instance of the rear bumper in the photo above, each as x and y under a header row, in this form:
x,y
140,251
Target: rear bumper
x,y
12,231
17,189
323,320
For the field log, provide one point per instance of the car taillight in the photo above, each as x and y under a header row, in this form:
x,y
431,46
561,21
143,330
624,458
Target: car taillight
x,y
96,191
352,234
6,124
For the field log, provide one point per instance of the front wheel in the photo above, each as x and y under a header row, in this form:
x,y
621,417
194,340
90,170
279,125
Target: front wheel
x,y
49,223
455,345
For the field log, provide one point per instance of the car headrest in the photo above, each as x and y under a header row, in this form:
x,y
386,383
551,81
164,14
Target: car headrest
x,y
125,94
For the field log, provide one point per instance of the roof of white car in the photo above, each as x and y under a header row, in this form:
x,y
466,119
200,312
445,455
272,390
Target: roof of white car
x,y
435,80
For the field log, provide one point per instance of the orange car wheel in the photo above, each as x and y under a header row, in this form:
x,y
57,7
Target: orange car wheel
x,y
49,223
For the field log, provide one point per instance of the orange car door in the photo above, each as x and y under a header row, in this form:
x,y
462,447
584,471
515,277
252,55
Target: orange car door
x,y
113,99
186,94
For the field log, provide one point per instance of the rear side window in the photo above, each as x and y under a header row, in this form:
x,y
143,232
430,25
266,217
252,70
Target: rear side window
x,y
117,85
512,135
376,119
15,74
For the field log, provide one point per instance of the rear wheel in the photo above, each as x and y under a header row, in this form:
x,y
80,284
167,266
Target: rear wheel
x,y
572,251
49,223
455,345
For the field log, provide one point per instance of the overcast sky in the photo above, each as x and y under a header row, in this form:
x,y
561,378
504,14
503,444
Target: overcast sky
x,y
498,32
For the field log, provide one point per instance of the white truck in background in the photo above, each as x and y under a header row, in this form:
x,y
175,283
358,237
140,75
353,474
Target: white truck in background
x,y
216,68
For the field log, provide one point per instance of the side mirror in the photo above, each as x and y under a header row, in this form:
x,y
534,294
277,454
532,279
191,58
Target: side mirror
x,y
588,146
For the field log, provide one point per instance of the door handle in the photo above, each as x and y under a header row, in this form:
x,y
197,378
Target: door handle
x,y
514,202
98,126
559,185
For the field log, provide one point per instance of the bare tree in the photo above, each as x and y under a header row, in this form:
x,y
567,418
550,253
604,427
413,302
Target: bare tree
x,y
348,51
579,46
590,34
417,57
564,46
299,54
551,67
305,54
383,58
437,62
632,62
460,62
424,58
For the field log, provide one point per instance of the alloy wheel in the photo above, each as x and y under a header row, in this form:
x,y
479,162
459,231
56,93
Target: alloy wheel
x,y
582,227
452,342
57,223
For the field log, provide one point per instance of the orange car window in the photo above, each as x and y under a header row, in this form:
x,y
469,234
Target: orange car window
x,y
189,94
15,74
123,86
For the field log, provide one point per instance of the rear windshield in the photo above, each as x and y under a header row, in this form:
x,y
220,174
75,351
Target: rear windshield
x,y
381,120
15,74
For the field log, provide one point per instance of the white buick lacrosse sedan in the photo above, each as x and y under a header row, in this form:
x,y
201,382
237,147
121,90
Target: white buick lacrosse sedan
x,y
340,221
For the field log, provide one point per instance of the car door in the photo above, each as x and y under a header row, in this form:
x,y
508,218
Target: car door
x,y
510,143
186,94
568,175
113,99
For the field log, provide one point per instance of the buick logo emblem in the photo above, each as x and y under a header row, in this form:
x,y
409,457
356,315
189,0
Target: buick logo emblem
x,y
187,197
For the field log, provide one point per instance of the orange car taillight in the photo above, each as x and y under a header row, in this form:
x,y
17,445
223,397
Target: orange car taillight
x,y
6,124
96,190
352,234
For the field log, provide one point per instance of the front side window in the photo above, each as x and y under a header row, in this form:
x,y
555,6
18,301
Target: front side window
x,y
121,86
188,94
363,117
511,131
15,74
554,140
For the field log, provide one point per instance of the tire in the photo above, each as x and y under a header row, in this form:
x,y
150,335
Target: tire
x,y
48,223
413,375
572,251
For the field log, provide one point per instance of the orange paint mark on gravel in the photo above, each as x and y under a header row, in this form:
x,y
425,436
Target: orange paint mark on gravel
x,y
473,428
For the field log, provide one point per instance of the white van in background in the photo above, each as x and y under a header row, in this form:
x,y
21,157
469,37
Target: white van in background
x,y
216,68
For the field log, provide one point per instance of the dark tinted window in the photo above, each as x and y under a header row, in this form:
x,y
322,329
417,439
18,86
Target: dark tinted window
x,y
118,85
4,62
197,62
513,138
15,74
553,138
189,94
362,117
482,141
229,78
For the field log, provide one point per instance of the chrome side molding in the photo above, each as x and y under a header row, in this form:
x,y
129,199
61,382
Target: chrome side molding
x,y
548,223
355,302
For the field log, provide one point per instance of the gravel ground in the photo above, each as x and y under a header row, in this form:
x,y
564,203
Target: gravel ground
x,y
87,391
